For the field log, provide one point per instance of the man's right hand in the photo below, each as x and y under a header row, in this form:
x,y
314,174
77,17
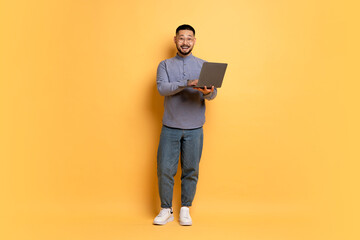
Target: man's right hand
x,y
192,82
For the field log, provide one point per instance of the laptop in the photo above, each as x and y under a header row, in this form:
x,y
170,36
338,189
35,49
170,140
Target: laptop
x,y
212,74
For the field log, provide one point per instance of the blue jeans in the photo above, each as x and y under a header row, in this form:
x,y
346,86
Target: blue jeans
x,y
188,144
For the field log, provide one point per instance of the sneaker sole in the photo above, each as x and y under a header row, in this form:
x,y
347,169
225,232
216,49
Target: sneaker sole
x,y
186,223
165,222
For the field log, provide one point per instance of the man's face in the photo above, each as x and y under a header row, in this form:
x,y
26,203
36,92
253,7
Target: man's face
x,y
185,41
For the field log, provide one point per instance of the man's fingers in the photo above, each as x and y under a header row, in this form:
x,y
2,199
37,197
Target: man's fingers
x,y
205,90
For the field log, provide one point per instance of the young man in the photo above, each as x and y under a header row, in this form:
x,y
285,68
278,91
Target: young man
x,y
182,133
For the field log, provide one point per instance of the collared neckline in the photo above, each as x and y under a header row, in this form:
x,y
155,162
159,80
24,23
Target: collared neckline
x,y
184,58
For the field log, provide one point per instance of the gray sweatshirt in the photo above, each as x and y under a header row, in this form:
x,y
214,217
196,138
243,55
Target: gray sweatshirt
x,y
184,108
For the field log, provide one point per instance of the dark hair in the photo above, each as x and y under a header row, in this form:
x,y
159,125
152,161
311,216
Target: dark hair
x,y
185,27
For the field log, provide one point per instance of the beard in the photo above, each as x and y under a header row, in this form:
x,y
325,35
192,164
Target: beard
x,y
181,51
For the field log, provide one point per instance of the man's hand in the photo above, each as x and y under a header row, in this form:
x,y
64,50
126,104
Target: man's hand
x,y
205,90
192,82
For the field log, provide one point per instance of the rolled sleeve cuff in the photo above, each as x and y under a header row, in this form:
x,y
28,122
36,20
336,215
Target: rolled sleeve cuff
x,y
208,96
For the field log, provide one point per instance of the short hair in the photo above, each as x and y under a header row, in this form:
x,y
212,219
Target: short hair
x,y
185,27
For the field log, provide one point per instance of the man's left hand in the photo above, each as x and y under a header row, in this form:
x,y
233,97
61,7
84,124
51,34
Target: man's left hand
x,y
205,90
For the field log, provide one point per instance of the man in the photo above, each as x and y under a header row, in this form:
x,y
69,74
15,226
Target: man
x,y
181,133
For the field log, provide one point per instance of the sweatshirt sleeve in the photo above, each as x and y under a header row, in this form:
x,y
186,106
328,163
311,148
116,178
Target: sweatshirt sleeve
x,y
164,86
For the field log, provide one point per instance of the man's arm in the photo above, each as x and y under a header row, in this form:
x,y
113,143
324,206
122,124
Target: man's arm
x,y
164,86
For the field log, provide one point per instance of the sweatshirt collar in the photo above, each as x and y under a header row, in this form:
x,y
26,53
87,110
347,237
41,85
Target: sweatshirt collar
x,y
184,58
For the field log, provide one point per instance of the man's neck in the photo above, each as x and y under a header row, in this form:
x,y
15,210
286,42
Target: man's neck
x,y
182,55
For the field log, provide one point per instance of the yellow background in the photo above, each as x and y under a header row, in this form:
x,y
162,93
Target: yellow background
x,y
81,117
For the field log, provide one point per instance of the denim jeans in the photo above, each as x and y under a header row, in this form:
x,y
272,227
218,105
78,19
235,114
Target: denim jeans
x,y
174,143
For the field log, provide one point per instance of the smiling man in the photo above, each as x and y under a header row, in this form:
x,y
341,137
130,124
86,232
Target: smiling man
x,y
183,119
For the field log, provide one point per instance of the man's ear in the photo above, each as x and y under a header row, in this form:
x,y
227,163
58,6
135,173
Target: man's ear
x,y
175,39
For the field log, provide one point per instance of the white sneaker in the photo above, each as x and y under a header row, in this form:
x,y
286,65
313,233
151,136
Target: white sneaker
x,y
165,216
185,219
